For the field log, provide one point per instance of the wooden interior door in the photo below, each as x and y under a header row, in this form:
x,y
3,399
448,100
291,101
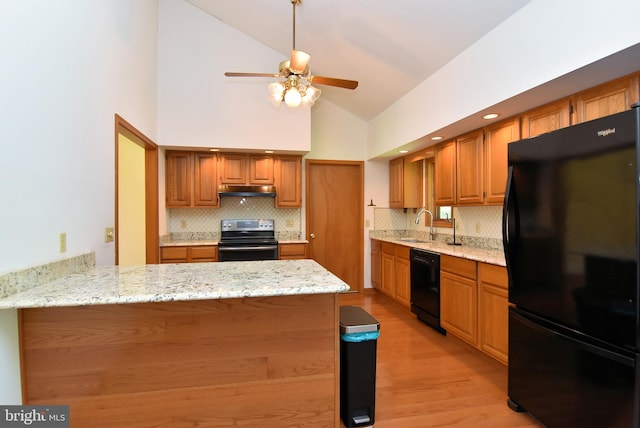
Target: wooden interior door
x,y
335,217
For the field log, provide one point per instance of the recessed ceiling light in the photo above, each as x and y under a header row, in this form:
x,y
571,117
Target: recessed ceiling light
x,y
490,116
436,138
404,151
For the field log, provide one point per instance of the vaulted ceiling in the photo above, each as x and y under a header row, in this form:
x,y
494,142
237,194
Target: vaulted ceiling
x,y
389,46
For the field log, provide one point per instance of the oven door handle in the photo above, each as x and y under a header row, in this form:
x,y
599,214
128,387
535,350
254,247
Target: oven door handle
x,y
258,248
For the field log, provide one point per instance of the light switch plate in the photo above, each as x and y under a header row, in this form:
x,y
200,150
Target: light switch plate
x,y
108,234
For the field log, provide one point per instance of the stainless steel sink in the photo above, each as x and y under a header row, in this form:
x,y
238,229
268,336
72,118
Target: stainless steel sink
x,y
412,240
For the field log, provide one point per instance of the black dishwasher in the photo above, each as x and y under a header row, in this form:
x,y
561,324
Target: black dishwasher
x,y
425,287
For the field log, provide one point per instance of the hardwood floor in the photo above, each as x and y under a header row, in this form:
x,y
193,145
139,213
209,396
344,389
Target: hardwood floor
x,y
425,379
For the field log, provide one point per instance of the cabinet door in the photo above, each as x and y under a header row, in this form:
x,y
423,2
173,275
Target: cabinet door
x,y
612,97
288,181
445,174
233,169
388,271
459,306
396,184
205,188
178,175
412,184
260,169
493,311
546,118
376,271
496,143
469,169
402,275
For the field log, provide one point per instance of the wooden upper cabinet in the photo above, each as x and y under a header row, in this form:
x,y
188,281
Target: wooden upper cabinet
x,y
546,118
396,179
496,143
239,168
178,175
405,183
260,169
190,179
445,173
612,97
288,181
233,168
469,169
205,188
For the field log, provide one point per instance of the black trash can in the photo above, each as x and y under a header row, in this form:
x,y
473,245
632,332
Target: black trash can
x,y
359,333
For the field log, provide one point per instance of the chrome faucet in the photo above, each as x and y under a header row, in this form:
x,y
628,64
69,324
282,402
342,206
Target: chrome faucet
x,y
422,211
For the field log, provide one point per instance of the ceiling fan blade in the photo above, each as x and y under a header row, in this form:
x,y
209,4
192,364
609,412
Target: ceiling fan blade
x,y
299,61
331,81
235,74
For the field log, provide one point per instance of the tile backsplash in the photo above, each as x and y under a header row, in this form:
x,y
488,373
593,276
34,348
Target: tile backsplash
x,y
480,225
192,221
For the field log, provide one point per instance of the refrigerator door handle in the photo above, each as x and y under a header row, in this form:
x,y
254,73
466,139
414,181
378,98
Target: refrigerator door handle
x,y
509,224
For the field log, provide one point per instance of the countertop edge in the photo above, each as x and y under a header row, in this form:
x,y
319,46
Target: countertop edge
x,y
494,257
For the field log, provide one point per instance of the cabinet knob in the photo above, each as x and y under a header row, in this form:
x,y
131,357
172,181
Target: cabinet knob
x,y
312,235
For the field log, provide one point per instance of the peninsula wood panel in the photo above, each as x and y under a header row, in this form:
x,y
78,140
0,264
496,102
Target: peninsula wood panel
x,y
268,362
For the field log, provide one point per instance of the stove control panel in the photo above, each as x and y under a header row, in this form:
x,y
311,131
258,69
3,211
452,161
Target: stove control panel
x,y
247,225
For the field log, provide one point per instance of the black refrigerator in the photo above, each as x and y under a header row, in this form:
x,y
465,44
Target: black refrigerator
x,y
570,234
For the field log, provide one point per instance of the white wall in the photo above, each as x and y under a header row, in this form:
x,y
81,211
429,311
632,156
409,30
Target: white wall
x,y
67,68
544,40
200,107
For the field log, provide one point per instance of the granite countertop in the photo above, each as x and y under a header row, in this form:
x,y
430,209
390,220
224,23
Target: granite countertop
x,y
202,242
485,255
179,282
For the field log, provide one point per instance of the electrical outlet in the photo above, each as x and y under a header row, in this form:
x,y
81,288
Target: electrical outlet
x,y
477,227
289,222
63,242
367,223
183,224
108,234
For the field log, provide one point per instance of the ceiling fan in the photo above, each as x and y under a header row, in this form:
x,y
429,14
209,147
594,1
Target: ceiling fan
x,y
295,89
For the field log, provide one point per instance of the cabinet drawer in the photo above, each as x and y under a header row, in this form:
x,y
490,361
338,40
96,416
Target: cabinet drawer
x,y
204,253
376,245
402,251
174,253
293,251
459,266
493,274
389,248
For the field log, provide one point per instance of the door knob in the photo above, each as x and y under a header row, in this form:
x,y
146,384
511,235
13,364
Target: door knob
x,y
312,235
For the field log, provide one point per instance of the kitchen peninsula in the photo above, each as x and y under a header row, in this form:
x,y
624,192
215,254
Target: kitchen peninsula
x,y
204,344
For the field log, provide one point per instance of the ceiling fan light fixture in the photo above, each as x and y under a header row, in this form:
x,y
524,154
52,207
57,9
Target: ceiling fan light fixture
x,y
292,97
299,61
276,93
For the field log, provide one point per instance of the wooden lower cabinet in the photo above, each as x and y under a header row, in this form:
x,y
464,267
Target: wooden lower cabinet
x,y
402,270
292,251
493,311
475,305
376,260
459,298
391,270
189,254
388,268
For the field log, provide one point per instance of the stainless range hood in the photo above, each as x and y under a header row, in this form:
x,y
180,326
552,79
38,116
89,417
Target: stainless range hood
x,y
246,190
